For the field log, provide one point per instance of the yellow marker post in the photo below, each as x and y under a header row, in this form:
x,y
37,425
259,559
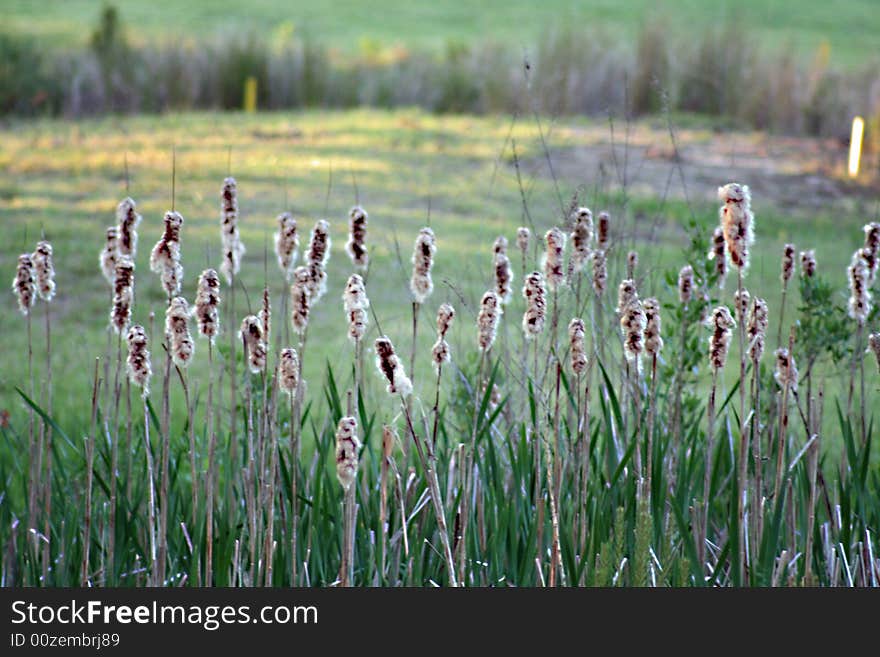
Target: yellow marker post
x,y
250,94
855,146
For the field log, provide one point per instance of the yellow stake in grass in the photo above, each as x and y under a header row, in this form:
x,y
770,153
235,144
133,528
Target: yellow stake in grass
x,y
250,94
855,146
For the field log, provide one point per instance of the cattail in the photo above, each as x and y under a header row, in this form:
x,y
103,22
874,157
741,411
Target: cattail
x,y
165,256
177,330
786,373
421,284
808,263
391,368
487,320
300,299
626,295
440,352
288,371
503,278
741,299
719,344
871,250
737,221
787,263
600,272
123,294
138,362
604,231
266,316
522,239
535,294
500,246
757,329
553,271
347,447
874,345
109,254
207,304
357,324
128,221
686,284
576,332
23,285
286,243
653,339
445,315
633,322
632,262
860,297
355,294
254,338
357,236
581,236
317,256
718,256
44,270
233,249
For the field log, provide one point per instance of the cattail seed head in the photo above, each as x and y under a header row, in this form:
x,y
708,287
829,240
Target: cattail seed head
x,y
860,297
317,256
300,299
123,294
808,263
717,254
871,250
421,284
23,285
356,247
787,263
44,270
500,246
633,322
626,295
165,256
632,262
874,345
603,237
535,294
757,329
233,249
128,221
554,273
357,324
355,295
266,317
138,362
786,373
177,332
576,333
347,446
719,343
653,327
600,272
741,299
522,239
391,368
737,221
286,243
445,315
503,278
254,339
207,304
686,284
487,320
581,237
109,254
440,352
288,371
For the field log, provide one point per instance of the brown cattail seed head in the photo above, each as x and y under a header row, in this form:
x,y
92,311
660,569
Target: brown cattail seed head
x,y
686,284
741,301
347,447
626,295
874,345
300,299
576,333
719,343
165,256
207,304
860,297
535,294
266,317
500,245
355,295
522,239
254,340
653,338
600,272
286,243
581,236
808,263
317,256
445,315
44,270
288,371
632,262
503,278
425,247
233,249
177,332
786,373
109,254
603,238
440,352
487,320
356,247
717,254
757,329
871,250
554,273
737,221
357,324
128,221
787,263
391,368
23,285
633,322
138,361
123,294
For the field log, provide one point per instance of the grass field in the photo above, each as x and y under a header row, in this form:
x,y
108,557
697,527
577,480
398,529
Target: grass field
x,y
850,29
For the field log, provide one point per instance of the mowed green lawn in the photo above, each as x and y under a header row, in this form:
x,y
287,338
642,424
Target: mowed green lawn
x,y
851,28
65,179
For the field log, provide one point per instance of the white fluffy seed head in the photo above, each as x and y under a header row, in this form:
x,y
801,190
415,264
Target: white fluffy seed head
x,y
355,294
288,371
737,222
177,332
44,269
741,304
357,324
718,256
500,245
786,373
487,320
128,221
757,329
808,263
653,327
874,345
600,272
722,323
633,322
686,284
535,294
233,249
581,237
123,294
254,339
603,233
445,315
300,299
860,296
871,250
138,362
286,243
207,304
421,285
109,254
165,256
440,352
787,263
554,272
391,368
347,447
522,239
356,247
503,278
23,285
577,348
626,295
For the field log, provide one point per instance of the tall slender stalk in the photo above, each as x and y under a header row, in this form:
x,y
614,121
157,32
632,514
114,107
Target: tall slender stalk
x,y
707,475
468,472
151,483
90,463
47,483
210,483
741,479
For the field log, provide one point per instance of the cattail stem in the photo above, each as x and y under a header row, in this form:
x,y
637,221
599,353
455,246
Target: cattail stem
x,y
468,472
781,311
415,327
383,511
233,399
346,570
209,484
270,500
707,475
860,352
32,446
553,470
649,447
758,497
109,576
813,464
90,462
165,457
47,494
781,439
294,480
151,483
741,480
